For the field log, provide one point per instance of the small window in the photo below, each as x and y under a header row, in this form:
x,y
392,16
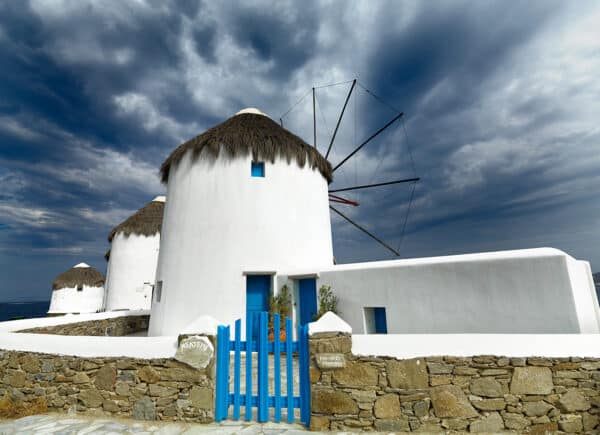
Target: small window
x,y
258,169
80,288
158,290
375,320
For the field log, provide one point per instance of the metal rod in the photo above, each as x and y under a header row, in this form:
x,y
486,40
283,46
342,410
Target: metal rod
x,y
365,231
340,118
366,186
368,140
314,119
281,121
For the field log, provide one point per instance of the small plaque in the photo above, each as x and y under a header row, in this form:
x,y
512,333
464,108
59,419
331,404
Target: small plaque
x,y
331,360
196,351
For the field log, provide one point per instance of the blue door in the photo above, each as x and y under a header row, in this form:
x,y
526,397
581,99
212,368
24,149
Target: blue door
x,y
380,320
307,292
258,289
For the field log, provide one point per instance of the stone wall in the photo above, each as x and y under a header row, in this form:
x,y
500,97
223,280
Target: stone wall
x,y
437,394
156,389
114,327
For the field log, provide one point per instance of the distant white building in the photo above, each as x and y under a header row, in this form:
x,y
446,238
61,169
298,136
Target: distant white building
x,y
132,259
78,290
248,212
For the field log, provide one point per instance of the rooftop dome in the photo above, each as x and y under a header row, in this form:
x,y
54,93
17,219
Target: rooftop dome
x,y
80,274
146,221
250,132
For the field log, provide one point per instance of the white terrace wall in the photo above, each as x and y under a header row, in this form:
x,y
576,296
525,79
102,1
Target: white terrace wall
x,y
70,300
528,291
443,383
131,271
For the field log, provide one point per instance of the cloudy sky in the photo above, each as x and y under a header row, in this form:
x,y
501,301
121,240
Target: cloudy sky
x,y
501,103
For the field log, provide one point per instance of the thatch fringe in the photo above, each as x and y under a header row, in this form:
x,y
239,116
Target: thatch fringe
x,y
253,134
147,221
78,276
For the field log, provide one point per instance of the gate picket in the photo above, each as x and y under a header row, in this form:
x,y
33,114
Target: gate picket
x,y
263,347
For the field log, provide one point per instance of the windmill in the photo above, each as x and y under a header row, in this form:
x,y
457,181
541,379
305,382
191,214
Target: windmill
x,y
338,195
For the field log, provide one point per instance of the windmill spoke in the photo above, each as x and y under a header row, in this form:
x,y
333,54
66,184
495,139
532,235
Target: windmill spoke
x,y
367,186
368,140
340,118
371,235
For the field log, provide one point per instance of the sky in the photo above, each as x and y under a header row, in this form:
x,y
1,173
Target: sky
x,y
501,104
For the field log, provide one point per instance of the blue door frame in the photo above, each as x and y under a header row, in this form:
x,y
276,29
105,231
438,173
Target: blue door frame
x,y
258,290
307,293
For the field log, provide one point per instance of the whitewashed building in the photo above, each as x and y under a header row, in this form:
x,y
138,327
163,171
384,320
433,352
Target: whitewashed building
x,y
133,256
247,199
248,212
78,290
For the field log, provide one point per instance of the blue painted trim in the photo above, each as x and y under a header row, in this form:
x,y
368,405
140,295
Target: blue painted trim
x,y
263,369
289,370
277,367
248,390
236,369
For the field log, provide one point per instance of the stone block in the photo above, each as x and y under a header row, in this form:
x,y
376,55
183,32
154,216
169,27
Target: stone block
x,y
491,423
144,409
15,378
486,387
105,378
110,406
161,391
536,409
30,363
455,424
543,429
436,380
515,421
201,397
395,425
450,401
590,422
465,371
531,380
148,374
573,401
80,378
439,368
181,374
338,344
319,423
489,404
358,374
407,374
421,408
387,406
571,423
91,398
332,402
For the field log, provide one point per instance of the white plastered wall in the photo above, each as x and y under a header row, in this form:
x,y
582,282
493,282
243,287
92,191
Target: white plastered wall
x,y
527,291
131,271
70,300
220,223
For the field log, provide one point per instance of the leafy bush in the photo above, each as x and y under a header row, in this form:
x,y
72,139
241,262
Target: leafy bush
x,y
280,304
327,301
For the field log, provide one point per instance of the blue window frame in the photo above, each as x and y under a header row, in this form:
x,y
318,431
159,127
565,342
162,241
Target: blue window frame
x,y
258,169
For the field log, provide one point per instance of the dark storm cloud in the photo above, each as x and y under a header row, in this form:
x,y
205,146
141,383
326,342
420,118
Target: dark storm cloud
x,y
94,96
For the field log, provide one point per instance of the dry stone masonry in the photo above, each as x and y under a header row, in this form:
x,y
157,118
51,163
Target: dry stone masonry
x,y
114,327
152,389
445,394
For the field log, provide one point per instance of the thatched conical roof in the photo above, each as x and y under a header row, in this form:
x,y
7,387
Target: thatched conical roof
x,y
250,132
80,274
146,221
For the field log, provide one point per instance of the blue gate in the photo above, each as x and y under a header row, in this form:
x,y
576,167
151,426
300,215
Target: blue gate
x,y
263,400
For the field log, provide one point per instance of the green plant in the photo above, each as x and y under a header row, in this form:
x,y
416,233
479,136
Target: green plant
x,y
327,301
281,303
